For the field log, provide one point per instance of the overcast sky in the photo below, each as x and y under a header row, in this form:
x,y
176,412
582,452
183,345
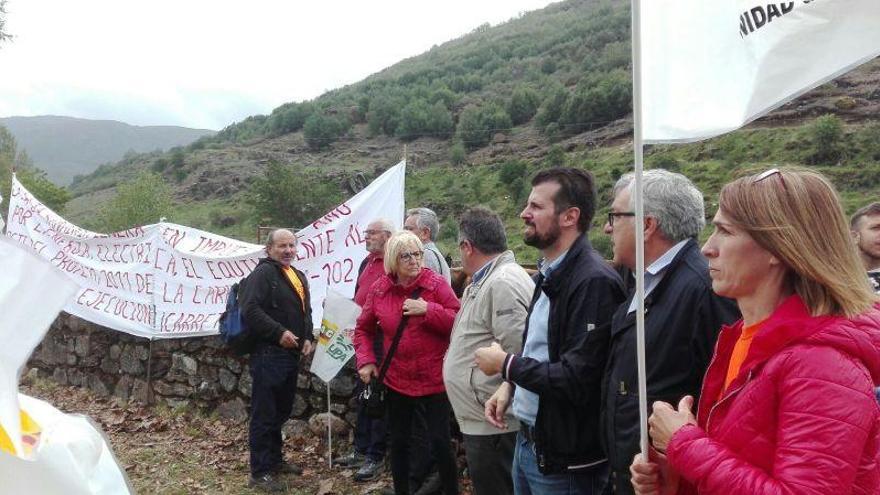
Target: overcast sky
x,y
208,63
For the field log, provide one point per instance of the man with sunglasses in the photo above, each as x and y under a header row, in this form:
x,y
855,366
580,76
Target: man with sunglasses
x,y
493,309
682,314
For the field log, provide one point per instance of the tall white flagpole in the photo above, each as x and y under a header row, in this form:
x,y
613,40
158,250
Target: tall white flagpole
x,y
636,190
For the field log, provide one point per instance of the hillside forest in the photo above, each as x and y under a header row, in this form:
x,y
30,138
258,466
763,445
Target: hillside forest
x,y
475,118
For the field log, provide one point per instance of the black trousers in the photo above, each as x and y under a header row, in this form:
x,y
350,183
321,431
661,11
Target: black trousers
x,y
273,372
489,459
401,412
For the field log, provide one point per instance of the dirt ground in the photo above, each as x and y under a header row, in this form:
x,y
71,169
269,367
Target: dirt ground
x,y
167,451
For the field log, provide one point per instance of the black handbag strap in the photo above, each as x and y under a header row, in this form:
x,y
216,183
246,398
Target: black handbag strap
x,y
403,321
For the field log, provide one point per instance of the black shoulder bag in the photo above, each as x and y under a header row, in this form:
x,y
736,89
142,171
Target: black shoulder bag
x,y
373,395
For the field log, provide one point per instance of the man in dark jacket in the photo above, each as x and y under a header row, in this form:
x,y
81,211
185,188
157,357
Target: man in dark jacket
x,y
557,378
276,307
682,314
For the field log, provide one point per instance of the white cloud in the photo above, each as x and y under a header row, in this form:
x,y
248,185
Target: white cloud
x,y
206,64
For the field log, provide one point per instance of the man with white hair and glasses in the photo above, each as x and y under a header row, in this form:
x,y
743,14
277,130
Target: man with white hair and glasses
x,y
682,314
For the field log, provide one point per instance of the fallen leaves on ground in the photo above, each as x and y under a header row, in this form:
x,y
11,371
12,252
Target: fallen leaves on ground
x,y
178,451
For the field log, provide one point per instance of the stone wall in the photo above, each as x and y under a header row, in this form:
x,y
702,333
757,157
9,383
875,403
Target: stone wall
x,y
197,372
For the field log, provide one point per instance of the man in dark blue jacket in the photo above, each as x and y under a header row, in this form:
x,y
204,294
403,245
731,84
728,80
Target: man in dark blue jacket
x,y
277,310
682,314
555,383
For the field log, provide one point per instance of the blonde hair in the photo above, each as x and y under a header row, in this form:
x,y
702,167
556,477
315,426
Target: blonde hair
x,y
396,244
796,215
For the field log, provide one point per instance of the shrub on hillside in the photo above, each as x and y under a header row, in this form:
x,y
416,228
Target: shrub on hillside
x,y
420,118
320,131
825,136
523,104
512,177
384,115
140,202
552,106
476,125
290,196
457,153
869,140
289,117
597,102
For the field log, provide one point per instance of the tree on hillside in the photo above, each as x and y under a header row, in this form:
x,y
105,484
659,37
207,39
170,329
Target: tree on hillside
x,y
320,131
420,118
476,125
384,115
825,136
290,196
523,104
142,201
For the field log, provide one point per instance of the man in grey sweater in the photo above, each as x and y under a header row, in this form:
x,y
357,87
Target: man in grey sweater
x,y
494,308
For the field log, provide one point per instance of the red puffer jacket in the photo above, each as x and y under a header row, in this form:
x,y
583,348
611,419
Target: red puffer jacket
x,y
799,419
417,366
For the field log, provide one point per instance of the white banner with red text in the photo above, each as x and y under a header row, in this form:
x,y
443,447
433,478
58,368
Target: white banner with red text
x,y
166,280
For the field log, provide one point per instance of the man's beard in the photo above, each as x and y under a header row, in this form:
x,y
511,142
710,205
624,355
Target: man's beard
x,y
542,241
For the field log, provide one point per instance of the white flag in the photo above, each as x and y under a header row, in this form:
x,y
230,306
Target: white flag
x,y
42,450
335,347
712,67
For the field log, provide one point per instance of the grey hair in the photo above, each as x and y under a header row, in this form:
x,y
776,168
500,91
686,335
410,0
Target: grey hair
x,y
384,224
426,219
483,228
270,239
672,199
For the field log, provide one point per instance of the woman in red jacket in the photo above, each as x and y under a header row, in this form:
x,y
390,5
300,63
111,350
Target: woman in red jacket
x,y
415,375
787,404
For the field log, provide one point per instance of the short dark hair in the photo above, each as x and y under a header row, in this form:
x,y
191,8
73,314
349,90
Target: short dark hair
x,y
865,211
576,189
484,229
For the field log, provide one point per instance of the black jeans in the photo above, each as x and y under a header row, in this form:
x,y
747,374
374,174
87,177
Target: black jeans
x,y
369,433
273,372
401,410
489,459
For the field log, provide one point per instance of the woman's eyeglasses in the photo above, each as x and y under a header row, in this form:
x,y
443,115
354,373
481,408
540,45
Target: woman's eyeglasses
x,y
415,255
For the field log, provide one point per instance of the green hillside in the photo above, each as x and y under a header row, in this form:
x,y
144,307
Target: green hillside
x,y
477,115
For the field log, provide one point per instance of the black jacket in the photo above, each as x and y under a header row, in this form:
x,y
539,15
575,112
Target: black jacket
x,y
682,320
584,291
270,304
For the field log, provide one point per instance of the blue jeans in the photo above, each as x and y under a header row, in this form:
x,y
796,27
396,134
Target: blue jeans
x,y
528,480
273,372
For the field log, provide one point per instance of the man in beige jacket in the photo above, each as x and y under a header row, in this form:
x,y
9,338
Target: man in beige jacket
x,y
494,308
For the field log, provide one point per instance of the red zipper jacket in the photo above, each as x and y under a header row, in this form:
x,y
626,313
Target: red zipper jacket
x,y
417,366
800,418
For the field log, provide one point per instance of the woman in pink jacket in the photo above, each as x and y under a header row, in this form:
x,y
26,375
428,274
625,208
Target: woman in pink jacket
x,y
415,375
787,405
